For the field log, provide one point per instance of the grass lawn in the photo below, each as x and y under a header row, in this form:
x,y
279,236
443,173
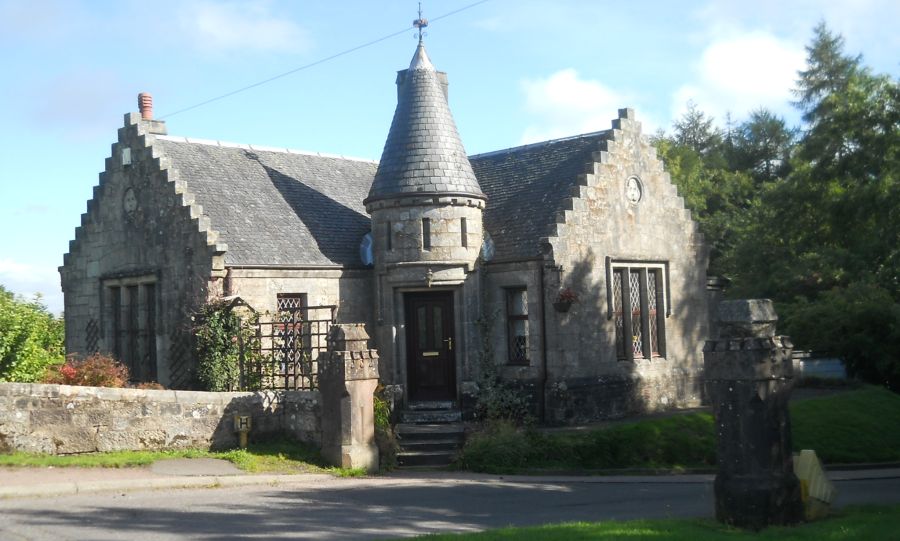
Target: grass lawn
x,y
273,457
858,523
848,427
855,426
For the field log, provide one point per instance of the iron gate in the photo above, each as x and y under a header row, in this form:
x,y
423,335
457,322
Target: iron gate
x,y
291,341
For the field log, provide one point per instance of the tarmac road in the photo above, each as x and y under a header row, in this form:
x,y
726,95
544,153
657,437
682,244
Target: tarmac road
x,y
322,507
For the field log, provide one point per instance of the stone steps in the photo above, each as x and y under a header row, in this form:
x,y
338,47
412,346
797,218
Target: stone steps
x,y
442,416
430,444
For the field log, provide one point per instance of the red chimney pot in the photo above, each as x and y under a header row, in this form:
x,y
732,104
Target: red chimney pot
x,y
145,105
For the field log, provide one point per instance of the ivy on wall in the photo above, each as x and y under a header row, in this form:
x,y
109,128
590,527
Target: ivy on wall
x,y
227,345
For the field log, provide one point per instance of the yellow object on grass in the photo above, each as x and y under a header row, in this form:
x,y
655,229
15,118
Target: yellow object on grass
x,y
818,491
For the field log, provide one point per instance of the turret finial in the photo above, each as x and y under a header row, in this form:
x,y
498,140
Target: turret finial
x,y
421,23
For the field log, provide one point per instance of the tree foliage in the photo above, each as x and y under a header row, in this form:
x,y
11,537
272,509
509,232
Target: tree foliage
x,y
31,339
809,218
860,323
762,146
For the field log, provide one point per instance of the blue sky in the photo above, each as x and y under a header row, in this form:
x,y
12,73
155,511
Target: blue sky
x,y
520,71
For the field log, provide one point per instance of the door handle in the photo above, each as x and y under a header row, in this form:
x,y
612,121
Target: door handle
x,y
449,343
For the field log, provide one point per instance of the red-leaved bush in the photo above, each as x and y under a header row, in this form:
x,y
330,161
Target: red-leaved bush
x,y
149,386
96,370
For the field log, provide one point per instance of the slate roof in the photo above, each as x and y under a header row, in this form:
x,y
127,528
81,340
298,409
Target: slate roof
x,y
526,186
277,207
423,152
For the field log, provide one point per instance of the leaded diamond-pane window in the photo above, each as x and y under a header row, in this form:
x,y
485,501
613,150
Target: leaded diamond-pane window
x,y
293,343
517,324
634,282
618,316
637,308
291,302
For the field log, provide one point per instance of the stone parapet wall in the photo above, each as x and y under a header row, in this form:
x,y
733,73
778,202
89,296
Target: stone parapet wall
x,y
584,400
63,419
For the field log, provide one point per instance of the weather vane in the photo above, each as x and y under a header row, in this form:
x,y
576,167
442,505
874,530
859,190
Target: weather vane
x,y
420,23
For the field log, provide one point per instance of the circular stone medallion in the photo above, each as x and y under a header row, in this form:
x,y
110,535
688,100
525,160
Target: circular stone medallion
x,y
129,202
634,190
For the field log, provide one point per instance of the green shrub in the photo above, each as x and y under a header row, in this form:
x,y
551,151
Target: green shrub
x,y
31,339
385,437
96,370
221,338
859,323
679,441
499,400
496,400
501,447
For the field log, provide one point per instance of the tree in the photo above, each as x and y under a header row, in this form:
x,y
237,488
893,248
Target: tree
x,y
825,241
716,195
852,146
31,339
762,146
809,219
852,116
696,131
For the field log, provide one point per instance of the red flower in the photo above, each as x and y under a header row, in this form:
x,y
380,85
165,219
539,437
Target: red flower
x,y
567,295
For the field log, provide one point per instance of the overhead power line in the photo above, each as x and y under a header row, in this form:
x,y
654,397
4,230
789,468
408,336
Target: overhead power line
x,y
316,63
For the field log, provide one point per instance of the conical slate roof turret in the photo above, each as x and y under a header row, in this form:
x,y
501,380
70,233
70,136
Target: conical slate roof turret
x,y
423,153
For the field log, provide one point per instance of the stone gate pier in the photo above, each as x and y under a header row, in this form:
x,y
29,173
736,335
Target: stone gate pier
x,y
348,376
749,378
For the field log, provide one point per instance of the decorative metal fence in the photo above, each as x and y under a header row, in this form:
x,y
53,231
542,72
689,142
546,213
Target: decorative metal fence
x,y
290,343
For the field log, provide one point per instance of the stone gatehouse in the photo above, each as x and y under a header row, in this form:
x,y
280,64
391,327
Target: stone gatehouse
x,y
443,256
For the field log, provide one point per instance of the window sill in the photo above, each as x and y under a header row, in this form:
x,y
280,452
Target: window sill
x,y
518,363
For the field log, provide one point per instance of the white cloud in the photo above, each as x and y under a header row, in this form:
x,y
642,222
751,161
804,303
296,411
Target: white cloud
x,y
741,72
27,280
563,104
240,26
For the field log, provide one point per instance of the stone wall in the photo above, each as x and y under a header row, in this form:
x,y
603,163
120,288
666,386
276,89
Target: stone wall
x,y
349,290
498,279
63,419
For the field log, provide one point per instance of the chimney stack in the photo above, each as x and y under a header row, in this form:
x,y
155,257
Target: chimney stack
x,y
145,105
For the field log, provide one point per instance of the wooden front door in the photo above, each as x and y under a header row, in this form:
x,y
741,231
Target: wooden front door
x,y
430,347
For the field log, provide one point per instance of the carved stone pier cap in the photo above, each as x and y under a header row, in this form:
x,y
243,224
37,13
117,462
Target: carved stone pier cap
x,y
348,337
747,318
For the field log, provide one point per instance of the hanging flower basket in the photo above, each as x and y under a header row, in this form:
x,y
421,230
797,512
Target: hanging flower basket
x,y
564,300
